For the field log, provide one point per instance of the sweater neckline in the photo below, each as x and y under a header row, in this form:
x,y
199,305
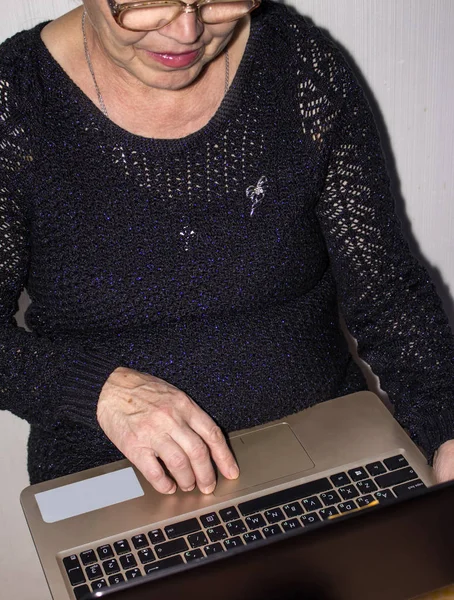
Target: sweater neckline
x,y
73,96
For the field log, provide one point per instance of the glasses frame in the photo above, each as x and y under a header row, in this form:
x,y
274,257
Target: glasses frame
x,y
118,10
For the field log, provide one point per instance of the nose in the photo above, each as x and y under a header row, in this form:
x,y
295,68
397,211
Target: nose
x,y
186,28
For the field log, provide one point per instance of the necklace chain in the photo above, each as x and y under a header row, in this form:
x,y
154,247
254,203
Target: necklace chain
x,y
93,76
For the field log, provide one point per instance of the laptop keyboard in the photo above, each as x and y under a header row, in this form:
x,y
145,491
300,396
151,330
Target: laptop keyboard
x,y
244,523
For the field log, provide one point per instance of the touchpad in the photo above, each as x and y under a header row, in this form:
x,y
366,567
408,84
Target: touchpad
x,y
265,455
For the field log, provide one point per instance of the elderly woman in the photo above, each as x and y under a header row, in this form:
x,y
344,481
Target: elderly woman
x,y
190,193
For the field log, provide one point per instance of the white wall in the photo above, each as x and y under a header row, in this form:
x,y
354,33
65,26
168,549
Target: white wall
x,y
405,51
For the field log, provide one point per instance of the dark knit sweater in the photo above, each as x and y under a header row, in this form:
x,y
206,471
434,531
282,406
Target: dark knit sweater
x,y
218,262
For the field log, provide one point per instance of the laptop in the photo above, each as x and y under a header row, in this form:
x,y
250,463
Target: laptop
x,y
97,529
395,552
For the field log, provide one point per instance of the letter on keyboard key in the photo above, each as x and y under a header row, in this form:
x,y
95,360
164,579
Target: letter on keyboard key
x,y
252,536
213,549
271,531
217,533
232,543
236,527
133,573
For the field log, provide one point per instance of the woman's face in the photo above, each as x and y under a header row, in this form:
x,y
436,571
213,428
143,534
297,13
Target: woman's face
x,y
169,58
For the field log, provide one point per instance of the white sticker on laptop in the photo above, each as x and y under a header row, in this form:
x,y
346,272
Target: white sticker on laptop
x,y
90,494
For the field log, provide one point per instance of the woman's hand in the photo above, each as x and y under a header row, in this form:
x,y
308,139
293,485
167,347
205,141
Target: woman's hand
x,y
146,418
444,462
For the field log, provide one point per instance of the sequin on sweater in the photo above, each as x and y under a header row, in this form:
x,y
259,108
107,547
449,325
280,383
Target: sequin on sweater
x,y
218,261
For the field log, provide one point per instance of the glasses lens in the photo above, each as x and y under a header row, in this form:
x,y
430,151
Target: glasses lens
x,y
221,12
146,19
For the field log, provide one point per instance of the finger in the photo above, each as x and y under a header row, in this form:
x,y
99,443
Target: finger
x,y
212,435
199,456
147,463
176,460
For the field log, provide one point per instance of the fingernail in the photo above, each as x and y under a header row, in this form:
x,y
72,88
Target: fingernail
x,y
234,472
189,489
209,489
172,490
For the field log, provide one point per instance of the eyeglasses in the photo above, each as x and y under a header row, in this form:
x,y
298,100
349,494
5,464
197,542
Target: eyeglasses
x,y
148,15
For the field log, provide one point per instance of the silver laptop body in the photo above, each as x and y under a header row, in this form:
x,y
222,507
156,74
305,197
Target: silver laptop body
x,y
107,525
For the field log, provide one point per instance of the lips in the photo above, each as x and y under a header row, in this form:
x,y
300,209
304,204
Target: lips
x,y
175,61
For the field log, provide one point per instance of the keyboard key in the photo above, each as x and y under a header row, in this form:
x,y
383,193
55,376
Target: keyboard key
x,y
367,486
81,591
274,516
345,507
312,503
173,561
285,496
364,500
110,566
236,527
169,548
193,555
309,519
255,521
229,514
217,533
358,474
139,541
146,555
128,561
407,489
326,513
290,525
232,543
330,498
271,531
396,462
98,585
340,479
384,496
293,510
94,572
122,546
395,477
210,520
182,528
114,579
376,468
74,570
197,539
156,536
105,552
348,492
88,557
252,536
213,549
133,573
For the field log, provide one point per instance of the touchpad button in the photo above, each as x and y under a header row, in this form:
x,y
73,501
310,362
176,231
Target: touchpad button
x,y
265,455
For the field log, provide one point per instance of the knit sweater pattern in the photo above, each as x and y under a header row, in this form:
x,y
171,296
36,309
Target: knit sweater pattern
x,y
219,261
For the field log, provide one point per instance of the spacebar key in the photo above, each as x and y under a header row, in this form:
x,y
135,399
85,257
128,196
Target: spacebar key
x,y
285,496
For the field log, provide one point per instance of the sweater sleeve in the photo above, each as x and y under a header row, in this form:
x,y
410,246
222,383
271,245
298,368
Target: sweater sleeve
x,y
386,297
41,381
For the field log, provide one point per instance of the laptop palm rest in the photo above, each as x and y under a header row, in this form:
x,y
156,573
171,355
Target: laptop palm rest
x,y
265,455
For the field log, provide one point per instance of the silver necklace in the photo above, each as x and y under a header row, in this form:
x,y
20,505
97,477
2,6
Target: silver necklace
x,y
93,76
